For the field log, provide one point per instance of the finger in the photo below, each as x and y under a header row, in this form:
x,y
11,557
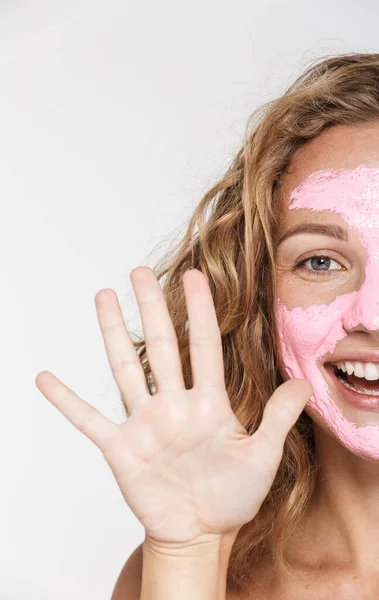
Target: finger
x,y
282,411
82,415
160,336
123,359
207,360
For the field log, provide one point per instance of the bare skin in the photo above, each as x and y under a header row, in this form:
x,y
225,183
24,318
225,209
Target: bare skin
x,y
337,544
181,451
339,538
338,541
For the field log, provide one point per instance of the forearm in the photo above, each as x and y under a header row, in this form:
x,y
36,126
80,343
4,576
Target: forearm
x,y
197,572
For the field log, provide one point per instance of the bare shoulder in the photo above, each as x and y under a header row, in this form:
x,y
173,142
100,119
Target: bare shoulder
x,y
128,584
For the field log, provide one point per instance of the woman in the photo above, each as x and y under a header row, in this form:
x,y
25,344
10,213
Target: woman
x,y
254,468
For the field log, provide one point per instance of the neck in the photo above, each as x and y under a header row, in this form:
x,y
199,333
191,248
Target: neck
x,y
342,523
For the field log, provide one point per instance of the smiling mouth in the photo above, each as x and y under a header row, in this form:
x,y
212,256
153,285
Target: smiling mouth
x,y
365,398
360,385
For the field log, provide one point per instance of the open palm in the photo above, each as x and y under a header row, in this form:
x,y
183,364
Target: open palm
x,y
185,465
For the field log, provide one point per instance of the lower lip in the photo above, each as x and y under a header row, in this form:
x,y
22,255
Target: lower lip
x,y
362,401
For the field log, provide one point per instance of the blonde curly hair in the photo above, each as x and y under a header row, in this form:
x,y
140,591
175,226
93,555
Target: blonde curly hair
x,y
230,239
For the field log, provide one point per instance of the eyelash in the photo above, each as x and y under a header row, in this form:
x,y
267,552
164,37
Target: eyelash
x,y
300,265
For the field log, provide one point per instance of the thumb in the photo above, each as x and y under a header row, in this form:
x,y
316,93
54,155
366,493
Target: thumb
x,y
283,410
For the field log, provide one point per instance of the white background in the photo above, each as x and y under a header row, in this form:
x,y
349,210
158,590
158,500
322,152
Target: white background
x,y
115,119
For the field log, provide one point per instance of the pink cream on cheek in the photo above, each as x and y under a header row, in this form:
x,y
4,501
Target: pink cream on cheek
x,y
307,335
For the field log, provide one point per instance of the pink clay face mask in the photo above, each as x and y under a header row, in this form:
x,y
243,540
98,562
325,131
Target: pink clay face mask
x,y
307,335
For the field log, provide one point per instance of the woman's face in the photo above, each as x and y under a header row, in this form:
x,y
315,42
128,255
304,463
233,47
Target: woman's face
x,y
328,308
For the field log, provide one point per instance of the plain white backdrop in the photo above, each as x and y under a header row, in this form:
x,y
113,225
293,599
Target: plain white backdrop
x,y
115,118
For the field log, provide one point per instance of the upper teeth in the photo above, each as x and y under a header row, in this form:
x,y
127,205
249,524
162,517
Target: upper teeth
x,y
369,370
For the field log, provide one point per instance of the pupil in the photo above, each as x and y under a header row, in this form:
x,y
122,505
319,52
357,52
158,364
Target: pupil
x,y
317,260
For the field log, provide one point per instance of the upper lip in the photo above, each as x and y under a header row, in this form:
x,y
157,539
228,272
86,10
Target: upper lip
x,y
357,355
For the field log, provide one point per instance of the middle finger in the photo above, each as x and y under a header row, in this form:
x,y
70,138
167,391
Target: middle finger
x,y
160,337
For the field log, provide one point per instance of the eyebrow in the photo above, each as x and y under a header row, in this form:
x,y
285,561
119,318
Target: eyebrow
x,y
334,231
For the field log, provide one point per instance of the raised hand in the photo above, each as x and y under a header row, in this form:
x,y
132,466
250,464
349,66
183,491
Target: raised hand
x,y
184,464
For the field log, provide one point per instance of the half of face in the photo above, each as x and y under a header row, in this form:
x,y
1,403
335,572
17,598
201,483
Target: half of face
x,y
328,300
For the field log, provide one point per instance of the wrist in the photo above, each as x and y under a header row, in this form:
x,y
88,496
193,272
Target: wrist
x,y
203,544
195,569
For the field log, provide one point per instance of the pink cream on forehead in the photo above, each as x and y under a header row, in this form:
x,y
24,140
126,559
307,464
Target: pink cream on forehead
x,y
307,335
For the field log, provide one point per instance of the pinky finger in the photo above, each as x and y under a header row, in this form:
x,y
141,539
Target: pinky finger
x,y
82,415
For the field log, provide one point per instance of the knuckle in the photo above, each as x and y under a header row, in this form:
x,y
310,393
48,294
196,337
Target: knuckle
x,y
83,423
284,411
270,447
155,341
264,437
206,341
62,399
148,300
126,365
112,327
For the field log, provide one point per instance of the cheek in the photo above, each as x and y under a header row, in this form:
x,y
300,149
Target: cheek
x,y
306,335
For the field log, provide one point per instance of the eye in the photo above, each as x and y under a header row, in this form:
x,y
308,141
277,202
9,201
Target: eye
x,y
318,260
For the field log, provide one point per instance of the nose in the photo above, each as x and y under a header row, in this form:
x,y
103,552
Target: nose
x,y
364,309
373,334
